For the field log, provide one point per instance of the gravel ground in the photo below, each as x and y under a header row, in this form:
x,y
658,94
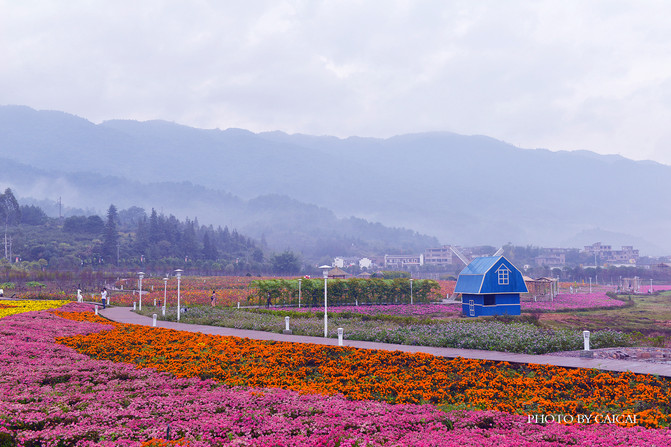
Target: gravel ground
x,y
650,355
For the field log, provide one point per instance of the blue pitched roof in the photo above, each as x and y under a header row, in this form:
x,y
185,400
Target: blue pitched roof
x,y
481,276
480,266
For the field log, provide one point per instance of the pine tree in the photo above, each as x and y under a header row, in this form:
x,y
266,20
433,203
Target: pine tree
x,y
210,251
9,211
110,236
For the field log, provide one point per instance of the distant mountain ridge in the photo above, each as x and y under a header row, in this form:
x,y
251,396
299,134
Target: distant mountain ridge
x,y
281,222
463,189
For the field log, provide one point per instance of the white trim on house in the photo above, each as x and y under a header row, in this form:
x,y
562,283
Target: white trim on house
x,y
503,275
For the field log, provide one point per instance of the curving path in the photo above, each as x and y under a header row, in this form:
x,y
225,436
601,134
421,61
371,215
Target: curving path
x,y
126,315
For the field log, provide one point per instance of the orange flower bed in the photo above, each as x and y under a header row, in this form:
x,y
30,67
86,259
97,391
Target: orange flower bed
x,y
394,377
194,290
83,316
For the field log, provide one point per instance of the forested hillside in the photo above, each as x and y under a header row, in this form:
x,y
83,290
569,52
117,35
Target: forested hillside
x,y
128,239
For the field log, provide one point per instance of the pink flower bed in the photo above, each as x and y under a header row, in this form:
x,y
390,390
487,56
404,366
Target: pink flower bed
x,y
645,288
50,395
573,301
414,310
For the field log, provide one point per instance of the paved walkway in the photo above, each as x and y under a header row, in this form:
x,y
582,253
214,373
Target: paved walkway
x,y
126,315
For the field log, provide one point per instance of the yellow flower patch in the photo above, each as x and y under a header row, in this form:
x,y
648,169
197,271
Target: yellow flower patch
x,y
12,307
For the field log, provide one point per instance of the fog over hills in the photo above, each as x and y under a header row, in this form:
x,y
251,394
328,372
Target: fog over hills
x,y
467,190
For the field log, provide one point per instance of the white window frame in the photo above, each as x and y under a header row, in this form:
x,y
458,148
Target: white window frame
x,y
503,275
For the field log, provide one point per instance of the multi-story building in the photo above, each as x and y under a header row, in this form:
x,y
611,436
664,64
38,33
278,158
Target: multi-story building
x,y
345,261
438,256
365,263
628,254
402,261
598,249
551,260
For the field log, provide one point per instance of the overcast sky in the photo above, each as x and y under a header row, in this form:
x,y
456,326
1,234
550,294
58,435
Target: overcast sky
x,y
556,74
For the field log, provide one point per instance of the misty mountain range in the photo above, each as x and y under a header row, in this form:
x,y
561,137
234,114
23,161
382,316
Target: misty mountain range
x,y
298,190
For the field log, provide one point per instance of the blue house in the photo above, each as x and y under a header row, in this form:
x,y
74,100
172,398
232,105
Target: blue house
x,y
490,285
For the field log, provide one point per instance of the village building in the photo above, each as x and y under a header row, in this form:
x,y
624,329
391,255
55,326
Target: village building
x,y
365,263
403,261
438,256
551,260
627,255
490,285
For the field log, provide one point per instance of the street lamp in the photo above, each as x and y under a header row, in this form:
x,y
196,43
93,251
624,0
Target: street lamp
x,y
325,269
178,274
165,293
141,275
299,292
411,291
590,284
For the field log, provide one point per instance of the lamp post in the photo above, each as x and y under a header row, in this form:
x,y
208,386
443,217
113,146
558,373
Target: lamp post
x,y
178,274
411,291
325,269
590,284
299,292
141,275
165,293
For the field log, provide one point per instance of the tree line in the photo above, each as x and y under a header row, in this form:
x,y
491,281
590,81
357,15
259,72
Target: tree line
x,y
129,239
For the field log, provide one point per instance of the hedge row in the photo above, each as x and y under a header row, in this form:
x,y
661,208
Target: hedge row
x,y
345,291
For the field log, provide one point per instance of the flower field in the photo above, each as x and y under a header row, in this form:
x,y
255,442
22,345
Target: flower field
x,y
655,287
378,375
404,310
573,301
424,329
193,290
229,290
136,384
492,336
11,307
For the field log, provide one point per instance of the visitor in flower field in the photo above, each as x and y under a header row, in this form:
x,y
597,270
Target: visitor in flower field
x,y
213,299
103,297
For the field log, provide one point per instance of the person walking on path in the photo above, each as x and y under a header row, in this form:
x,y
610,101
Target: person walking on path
x,y
103,296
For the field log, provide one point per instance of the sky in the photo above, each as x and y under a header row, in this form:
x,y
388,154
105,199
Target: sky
x,y
562,75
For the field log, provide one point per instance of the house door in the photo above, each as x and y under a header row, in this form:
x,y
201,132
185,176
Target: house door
x,y
471,308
